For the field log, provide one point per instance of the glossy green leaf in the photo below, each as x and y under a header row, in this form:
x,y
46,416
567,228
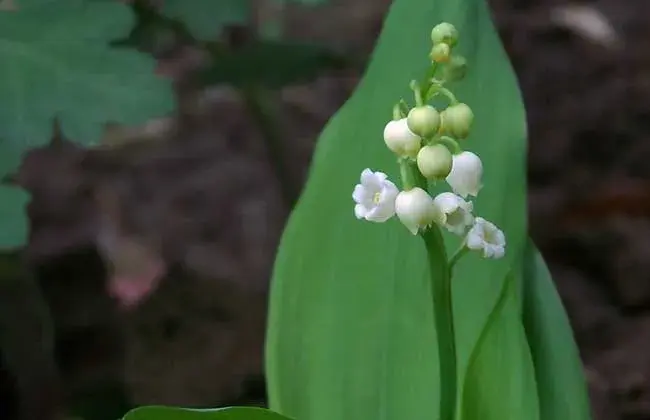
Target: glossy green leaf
x,y
206,18
57,62
350,331
500,379
560,377
228,413
273,64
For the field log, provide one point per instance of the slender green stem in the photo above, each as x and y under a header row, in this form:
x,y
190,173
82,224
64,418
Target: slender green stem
x,y
427,82
457,256
449,95
410,175
397,112
404,107
444,320
451,144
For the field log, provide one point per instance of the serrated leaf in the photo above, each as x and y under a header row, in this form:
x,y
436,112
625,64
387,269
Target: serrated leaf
x,y
14,226
560,376
272,64
350,330
57,62
206,18
227,413
500,379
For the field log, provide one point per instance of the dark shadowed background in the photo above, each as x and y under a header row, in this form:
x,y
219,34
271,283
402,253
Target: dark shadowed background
x,y
207,190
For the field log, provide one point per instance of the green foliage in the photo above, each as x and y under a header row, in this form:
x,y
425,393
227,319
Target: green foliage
x,y
206,18
558,371
272,64
501,352
57,62
228,413
350,331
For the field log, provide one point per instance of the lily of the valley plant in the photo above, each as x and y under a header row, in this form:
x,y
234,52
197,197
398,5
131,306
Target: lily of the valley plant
x,y
427,142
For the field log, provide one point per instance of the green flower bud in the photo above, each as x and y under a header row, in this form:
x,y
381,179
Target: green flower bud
x,y
440,53
434,162
424,120
455,69
444,33
458,120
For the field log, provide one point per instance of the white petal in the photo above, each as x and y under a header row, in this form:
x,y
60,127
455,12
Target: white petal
x,y
498,252
475,239
447,202
500,238
415,209
466,173
366,174
360,194
374,182
360,211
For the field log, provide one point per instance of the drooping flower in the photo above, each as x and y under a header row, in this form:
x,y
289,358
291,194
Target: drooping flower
x,y
374,197
401,140
466,173
487,237
415,209
458,212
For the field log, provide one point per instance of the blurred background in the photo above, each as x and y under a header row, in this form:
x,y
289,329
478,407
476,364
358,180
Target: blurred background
x,y
201,199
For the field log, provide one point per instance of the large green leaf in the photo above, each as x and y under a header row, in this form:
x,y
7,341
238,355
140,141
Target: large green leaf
x,y
350,332
206,18
228,413
559,372
500,379
57,62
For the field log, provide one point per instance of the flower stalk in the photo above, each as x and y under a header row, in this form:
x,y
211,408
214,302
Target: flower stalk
x,y
440,274
443,314
426,142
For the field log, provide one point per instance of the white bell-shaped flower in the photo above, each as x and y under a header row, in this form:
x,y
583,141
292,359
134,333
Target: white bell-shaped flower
x,y
401,140
374,197
485,236
415,209
457,212
466,174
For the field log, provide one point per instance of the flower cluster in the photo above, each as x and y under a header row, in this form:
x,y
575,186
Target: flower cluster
x,y
426,142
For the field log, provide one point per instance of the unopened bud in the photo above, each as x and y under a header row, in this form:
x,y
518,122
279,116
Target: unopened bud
x,y
434,162
440,53
400,140
456,69
424,120
458,120
444,33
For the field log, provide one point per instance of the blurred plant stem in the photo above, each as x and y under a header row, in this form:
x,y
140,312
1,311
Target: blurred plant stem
x,y
27,341
260,104
259,101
